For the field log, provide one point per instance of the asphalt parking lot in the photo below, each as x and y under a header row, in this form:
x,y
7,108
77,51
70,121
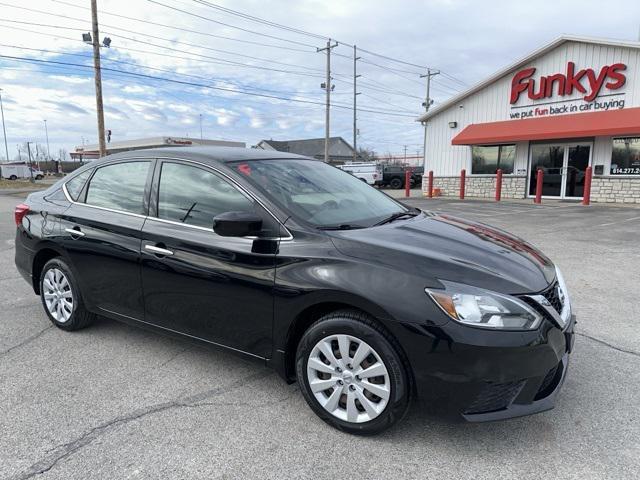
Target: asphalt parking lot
x,y
116,402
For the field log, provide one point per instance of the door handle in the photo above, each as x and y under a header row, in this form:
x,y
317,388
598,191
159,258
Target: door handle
x,y
158,250
74,232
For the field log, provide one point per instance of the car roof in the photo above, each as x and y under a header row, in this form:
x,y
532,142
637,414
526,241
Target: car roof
x,y
206,154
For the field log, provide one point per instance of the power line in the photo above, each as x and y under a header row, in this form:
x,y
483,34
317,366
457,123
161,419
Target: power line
x,y
182,82
293,30
261,20
137,65
275,25
177,50
182,29
390,69
231,26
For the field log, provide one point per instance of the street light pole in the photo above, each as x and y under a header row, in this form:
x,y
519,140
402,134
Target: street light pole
x,y
46,132
200,126
4,131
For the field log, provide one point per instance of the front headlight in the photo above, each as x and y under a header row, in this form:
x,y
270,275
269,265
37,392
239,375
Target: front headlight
x,y
483,308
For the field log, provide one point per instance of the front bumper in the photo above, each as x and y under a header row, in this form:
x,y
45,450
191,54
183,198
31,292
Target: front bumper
x,y
522,404
484,376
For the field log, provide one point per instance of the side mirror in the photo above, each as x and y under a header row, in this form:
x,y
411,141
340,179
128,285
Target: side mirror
x,y
237,224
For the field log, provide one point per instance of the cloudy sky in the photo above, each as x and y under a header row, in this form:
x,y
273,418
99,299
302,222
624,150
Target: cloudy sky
x,y
172,61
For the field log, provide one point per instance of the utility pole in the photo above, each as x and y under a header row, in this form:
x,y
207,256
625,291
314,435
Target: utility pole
x,y
355,94
98,77
327,86
46,132
427,103
30,163
200,126
405,154
4,131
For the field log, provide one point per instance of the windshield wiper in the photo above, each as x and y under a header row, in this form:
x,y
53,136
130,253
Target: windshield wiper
x,y
345,226
397,215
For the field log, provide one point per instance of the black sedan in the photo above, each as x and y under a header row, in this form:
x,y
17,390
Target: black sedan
x,y
366,302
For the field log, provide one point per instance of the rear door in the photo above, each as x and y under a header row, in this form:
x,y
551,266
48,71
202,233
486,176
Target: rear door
x,y
196,282
101,233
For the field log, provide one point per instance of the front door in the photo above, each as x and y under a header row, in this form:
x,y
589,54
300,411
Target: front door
x,y
196,282
563,165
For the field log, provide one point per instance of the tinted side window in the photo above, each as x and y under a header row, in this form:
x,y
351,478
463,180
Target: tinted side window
x,y
192,195
119,186
74,186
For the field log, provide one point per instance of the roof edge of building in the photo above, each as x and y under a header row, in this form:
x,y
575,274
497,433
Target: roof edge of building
x,y
534,54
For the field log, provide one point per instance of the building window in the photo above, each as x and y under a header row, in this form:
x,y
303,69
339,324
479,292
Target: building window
x,y
625,159
487,159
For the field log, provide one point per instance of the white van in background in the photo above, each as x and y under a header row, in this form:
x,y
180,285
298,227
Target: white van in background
x,y
367,172
14,171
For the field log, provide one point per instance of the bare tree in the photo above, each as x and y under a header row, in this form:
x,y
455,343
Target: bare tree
x,y
367,154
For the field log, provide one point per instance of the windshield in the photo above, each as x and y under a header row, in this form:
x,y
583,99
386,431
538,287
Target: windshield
x,y
318,193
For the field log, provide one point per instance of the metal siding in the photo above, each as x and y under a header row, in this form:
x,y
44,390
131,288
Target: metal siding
x,y
492,104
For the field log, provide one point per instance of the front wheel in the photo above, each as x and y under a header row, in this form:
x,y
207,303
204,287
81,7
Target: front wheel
x,y
351,373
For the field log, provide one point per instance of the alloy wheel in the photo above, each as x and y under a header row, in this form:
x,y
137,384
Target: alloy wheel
x,y
58,296
348,378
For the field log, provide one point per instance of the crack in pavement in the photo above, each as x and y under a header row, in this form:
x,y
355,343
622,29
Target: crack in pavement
x,y
65,450
27,340
174,356
606,344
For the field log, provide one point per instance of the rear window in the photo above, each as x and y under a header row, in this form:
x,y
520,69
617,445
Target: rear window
x,y
75,185
119,187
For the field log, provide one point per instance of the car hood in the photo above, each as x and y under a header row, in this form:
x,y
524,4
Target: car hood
x,y
443,247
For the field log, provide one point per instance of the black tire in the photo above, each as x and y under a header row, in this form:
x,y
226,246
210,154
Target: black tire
x,y
39,177
359,325
79,317
396,183
13,177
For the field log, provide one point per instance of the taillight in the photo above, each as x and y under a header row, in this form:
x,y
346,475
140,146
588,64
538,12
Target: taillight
x,y
19,213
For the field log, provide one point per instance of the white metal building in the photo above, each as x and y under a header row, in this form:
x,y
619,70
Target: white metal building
x,y
570,104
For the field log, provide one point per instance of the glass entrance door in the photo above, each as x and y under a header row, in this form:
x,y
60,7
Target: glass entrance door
x,y
549,158
574,171
564,167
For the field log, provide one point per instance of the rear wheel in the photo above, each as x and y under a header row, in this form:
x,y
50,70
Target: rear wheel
x,y
396,183
13,177
39,177
351,374
61,297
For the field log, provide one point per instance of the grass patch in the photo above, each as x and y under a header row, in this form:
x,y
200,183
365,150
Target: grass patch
x,y
18,184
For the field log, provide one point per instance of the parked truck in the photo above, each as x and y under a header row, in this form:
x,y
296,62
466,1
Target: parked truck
x,y
366,171
14,171
393,176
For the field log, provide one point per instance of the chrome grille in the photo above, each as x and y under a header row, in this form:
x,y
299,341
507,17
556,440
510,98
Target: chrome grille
x,y
554,297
